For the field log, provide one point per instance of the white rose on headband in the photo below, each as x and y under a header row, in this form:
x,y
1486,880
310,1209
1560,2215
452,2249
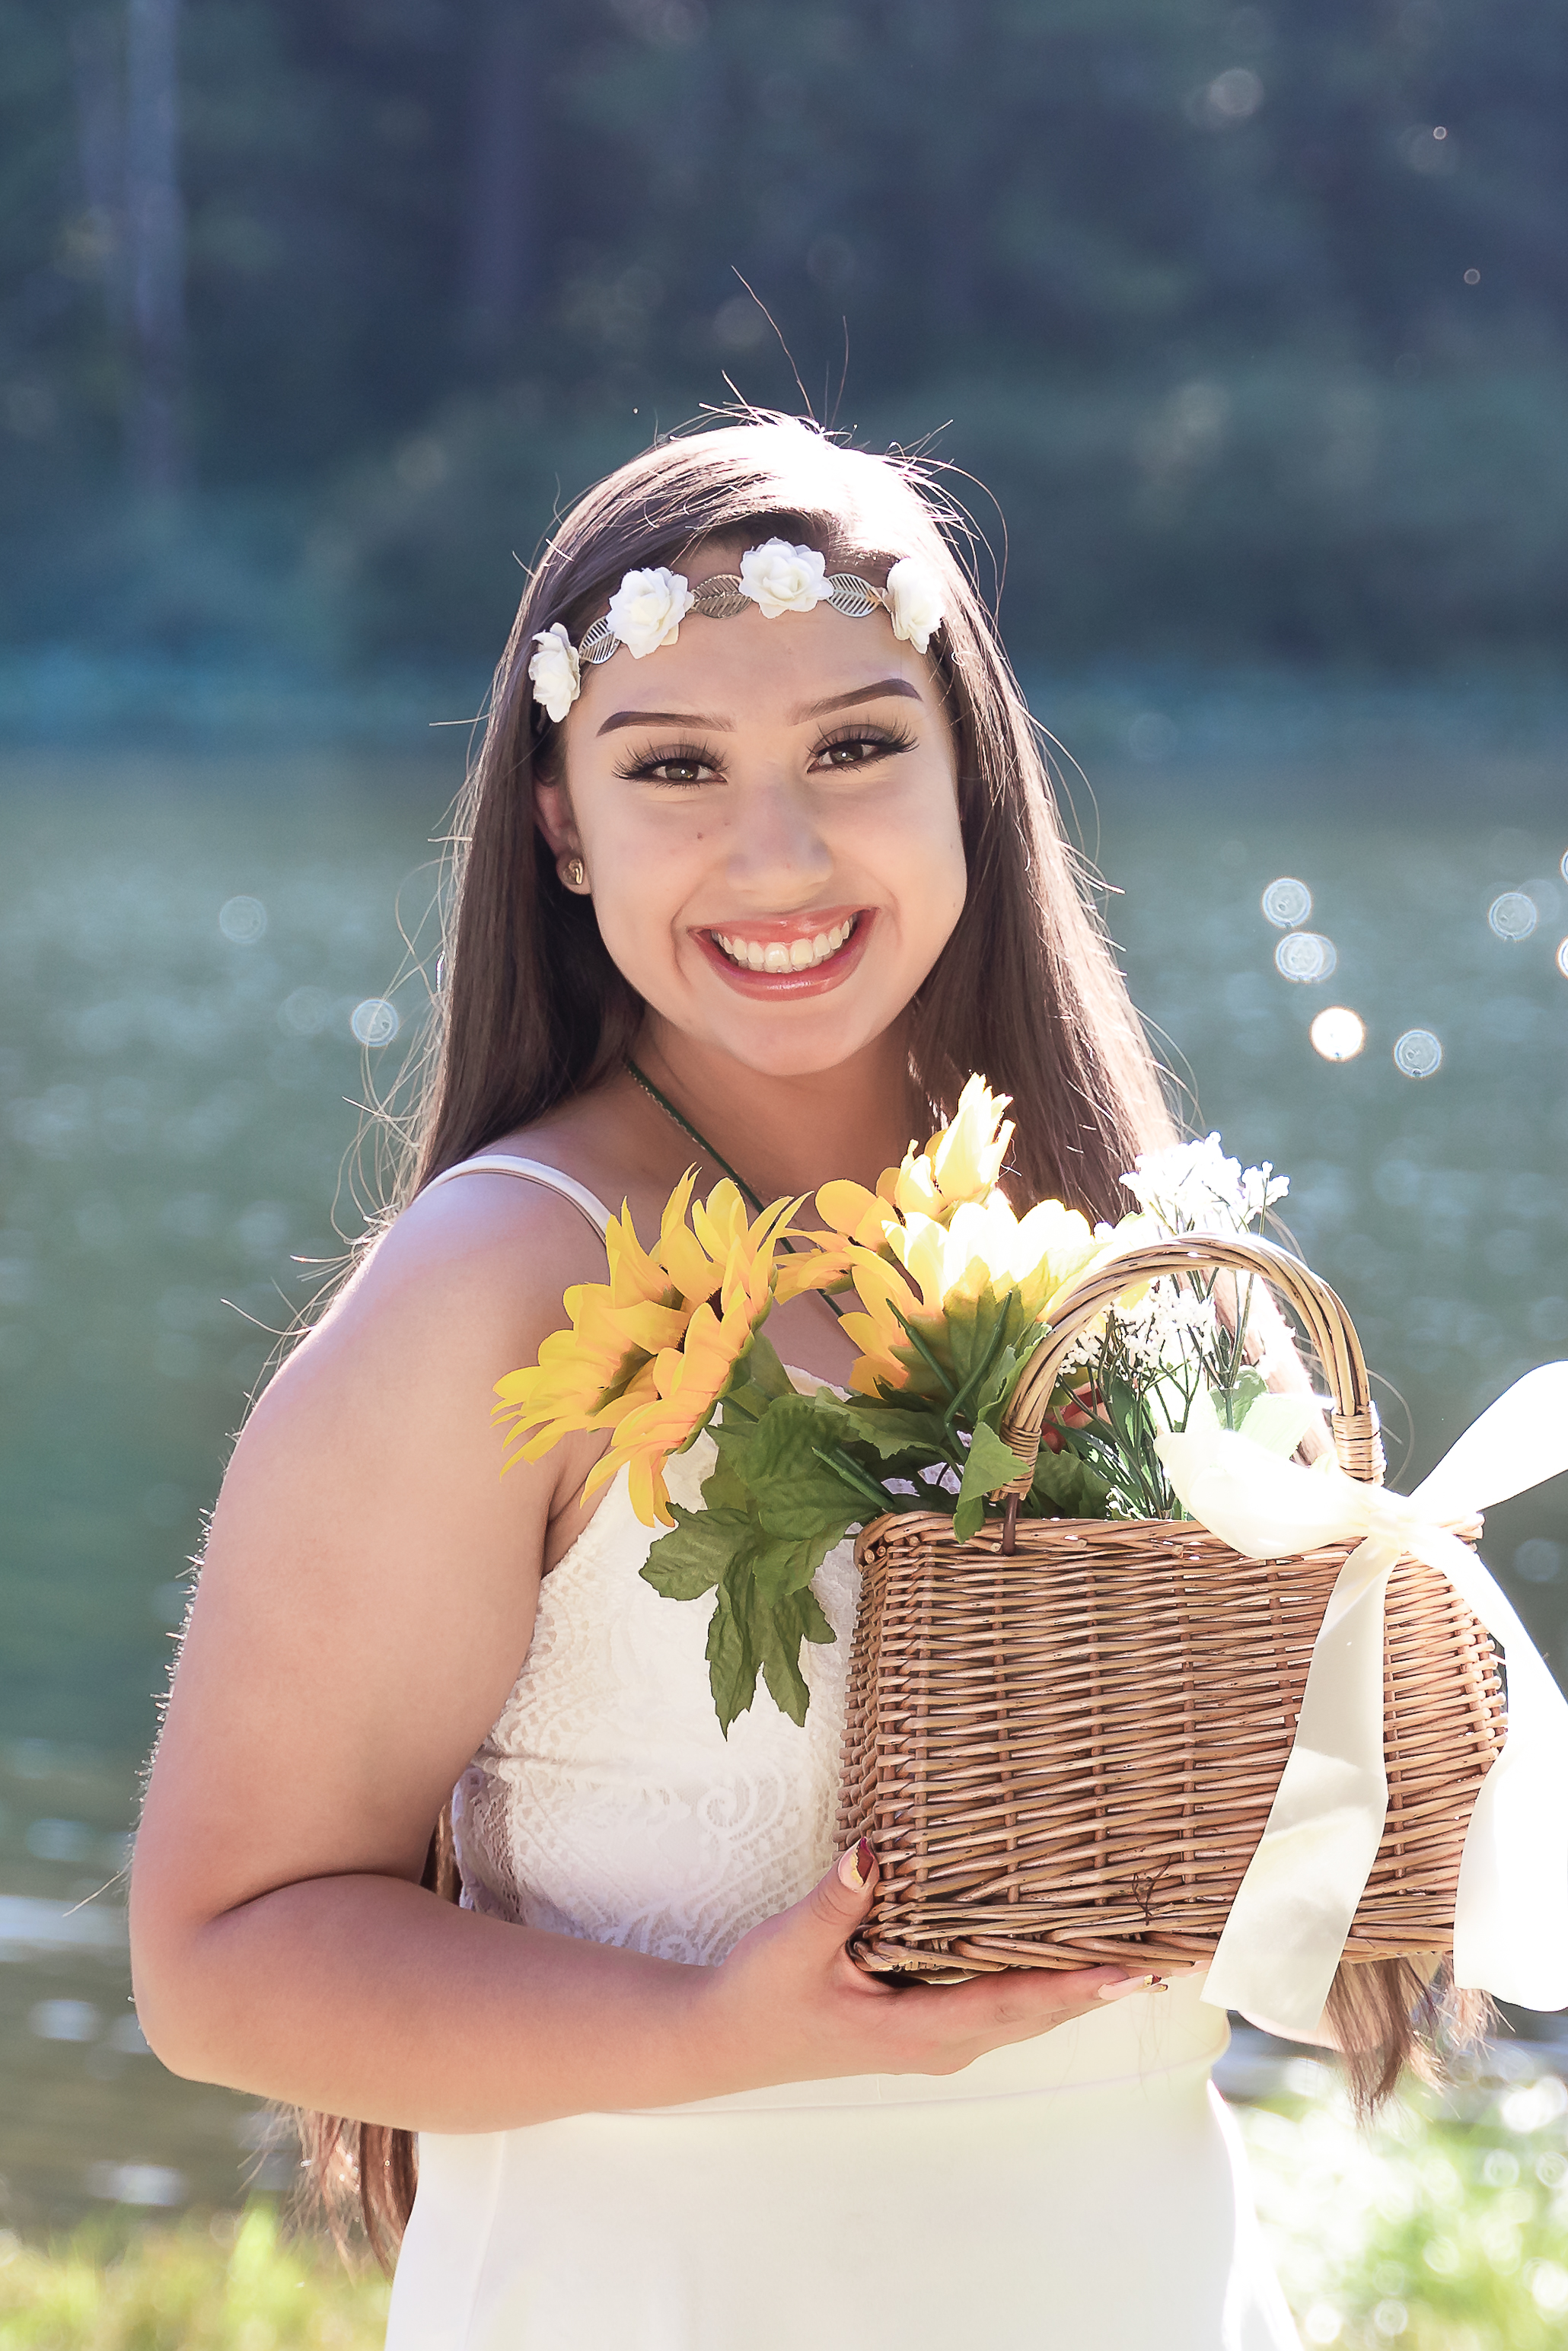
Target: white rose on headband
x,y
784,579
554,671
647,608
915,593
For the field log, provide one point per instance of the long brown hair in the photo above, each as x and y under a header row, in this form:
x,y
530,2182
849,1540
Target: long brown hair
x,y
531,1009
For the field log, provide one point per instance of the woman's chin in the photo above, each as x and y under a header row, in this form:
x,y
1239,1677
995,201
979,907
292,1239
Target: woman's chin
x,y
818,1035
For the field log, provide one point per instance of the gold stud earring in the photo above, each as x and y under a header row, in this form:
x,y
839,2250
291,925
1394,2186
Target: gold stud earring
x,y
575,874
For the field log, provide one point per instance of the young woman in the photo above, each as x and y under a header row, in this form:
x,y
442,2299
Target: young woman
x,y
752,877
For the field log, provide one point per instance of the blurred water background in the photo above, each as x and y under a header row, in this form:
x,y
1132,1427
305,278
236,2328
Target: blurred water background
x,y
194,947
1254,318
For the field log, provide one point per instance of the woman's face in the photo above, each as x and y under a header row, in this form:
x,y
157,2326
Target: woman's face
x,y
767,813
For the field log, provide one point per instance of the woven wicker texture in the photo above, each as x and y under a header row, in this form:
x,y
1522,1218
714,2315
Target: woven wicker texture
x,y
1067,1755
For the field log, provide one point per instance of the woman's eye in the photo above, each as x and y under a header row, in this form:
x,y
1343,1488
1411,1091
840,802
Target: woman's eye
x,y
860,750
676,768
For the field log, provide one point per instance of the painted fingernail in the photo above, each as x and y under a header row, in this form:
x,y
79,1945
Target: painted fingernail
x,y
855,1868
1120,1991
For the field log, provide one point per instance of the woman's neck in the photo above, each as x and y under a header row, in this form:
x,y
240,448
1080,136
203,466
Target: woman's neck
x,y
787,1135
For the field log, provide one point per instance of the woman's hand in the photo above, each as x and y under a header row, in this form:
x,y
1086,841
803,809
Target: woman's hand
x,y
789,2004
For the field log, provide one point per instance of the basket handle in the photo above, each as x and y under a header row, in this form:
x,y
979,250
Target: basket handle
x,y
1354,1419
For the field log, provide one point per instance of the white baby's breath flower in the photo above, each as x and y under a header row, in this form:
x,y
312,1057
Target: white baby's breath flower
x,y
647,608
1171,1327
1261,1187
1195,1187
915,593
784,579
554,671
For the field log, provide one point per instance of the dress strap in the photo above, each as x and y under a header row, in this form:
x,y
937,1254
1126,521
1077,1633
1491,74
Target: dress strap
x,y
532,1171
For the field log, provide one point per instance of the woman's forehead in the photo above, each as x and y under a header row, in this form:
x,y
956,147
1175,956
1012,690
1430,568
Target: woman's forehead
x,y
753,670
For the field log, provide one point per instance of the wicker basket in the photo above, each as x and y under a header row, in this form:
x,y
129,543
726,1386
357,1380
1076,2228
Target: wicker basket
x,y
1064,1753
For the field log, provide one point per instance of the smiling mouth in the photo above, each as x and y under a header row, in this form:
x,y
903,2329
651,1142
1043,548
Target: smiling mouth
x,y
782,956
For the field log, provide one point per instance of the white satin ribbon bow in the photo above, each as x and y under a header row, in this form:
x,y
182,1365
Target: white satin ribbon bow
x,y
1288,1924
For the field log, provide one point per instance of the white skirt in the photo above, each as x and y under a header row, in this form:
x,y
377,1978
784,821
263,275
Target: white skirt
x,y
1085,2190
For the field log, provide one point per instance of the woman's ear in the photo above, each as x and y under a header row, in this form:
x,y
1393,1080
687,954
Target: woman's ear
x,y
552,814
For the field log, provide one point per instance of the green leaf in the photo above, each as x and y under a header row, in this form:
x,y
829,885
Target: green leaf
x,y
765,1378
792,1491
800,1619
783,1443
1066,1487
750,1635
890,1430
691,1560
995,1389
725,1490
732,1661
1245,1390
990,1464
780,1569
780,1655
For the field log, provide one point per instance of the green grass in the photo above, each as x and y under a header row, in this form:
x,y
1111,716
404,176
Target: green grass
x,y
1446,2229
186,2286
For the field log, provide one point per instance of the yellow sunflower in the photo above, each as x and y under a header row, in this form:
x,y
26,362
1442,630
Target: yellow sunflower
x,y
958,1167
646,1355
940,1270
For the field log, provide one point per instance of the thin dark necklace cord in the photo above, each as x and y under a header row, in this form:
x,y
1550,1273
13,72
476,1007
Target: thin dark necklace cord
x,y
690,1131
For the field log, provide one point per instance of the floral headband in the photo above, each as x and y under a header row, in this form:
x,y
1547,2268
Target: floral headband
x,y
647,608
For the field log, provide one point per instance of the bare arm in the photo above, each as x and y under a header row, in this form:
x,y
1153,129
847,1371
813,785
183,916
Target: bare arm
x,y
367,1599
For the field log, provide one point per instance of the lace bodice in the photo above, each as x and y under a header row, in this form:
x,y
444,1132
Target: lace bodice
x,y
606,1802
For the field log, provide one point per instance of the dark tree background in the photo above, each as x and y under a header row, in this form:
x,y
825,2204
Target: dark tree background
x,y
1254,318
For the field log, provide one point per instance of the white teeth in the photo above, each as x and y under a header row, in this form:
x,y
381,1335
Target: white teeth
x,y
798,955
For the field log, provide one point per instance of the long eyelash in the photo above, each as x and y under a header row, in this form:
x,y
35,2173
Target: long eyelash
x,y
668,755
887,738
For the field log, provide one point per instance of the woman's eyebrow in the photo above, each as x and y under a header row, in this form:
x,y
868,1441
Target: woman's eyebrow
x,y
666,718
856,693
797,717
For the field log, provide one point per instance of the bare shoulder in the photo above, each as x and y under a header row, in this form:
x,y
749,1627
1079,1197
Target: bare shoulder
x,y
371,1577
480,1263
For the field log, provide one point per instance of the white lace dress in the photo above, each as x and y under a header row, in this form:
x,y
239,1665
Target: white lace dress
x,y
1083,2189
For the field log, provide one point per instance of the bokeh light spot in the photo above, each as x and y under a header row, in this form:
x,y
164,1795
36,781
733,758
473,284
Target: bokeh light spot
x,y
64,2019
135,2183
1306,955
1152,737
1417,1053
1562,959
242,920
1338,1033
1513,915
375,1021
1287,902
307,1012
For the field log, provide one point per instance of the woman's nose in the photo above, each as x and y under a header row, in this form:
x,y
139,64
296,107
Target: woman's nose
x,y
778,853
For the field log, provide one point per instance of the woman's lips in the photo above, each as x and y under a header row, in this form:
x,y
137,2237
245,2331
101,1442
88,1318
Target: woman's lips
x,y
811,979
